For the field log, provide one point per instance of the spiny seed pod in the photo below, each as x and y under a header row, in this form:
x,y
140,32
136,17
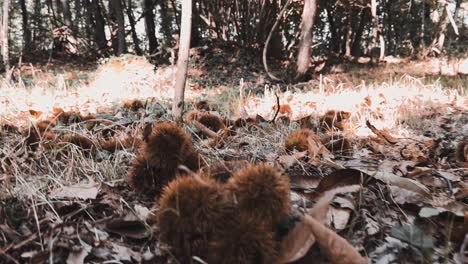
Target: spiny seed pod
x,y
262,191
165,149
213,122
335,120
222,171
337,143
247,241
299,140
193,212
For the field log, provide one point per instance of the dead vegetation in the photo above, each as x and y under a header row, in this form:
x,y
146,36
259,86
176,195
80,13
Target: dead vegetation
x,y
336,172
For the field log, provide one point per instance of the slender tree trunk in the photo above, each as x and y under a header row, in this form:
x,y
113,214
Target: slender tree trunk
x,y
305,42
78,14
150,27
166,23
36,20
67,17
99,31
26,28
356,47
195,41
116,11
182,61
131,20
376,31
5,44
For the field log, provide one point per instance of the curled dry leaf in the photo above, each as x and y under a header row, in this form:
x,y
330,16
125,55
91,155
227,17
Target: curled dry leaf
x,y
401,182
337,248
299,240
383,134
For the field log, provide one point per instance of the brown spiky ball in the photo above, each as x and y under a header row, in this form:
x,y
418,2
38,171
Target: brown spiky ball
x,y
222,171
247,241
337,143
335,120
193,213
261,191
298,140
166,148
213,122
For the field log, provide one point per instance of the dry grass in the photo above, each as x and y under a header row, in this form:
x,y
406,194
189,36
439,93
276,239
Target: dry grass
x,y
406,105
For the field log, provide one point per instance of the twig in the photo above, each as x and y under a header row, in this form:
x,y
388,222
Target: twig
x,y
208,132
277,108
265,47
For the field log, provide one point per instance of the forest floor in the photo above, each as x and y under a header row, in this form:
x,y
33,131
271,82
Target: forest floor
x,y
65,201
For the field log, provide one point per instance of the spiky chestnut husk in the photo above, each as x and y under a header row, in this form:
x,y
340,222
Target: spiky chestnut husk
x,y
335,120
202,105
213,122
165,149
261,191
298,140
246,241
193,213
461,153
337,143
222,171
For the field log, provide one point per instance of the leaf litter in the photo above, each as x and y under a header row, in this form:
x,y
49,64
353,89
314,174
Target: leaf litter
x,y
379,183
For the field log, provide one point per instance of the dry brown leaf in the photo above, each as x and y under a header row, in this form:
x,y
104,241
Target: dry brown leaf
x,y
81,191
337,248
299,240
401,182
316,148
383,134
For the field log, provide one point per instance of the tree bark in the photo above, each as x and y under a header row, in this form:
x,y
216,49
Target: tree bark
x,y
26,29
5,44
99,31
67,17
195,40
305,42
150,27
356,46
116,12
182,61
376,31
131,20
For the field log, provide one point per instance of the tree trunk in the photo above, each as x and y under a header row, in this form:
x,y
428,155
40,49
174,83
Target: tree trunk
x,y
36,20
166,22
99,31
116,14
195,41
5,44
150,27
67,17
78,15
305,42
26,29
182,60
131,20
376,32
356,47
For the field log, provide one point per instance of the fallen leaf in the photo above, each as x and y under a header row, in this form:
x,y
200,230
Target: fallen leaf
x,y
83,191
413,235
401,182
128,228
335,247
78,257
298,241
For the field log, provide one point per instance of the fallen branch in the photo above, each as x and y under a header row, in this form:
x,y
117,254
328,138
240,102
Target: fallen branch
x,y
265,47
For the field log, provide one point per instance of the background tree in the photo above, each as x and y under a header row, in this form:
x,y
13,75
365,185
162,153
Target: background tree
x,y
4,35
182,61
